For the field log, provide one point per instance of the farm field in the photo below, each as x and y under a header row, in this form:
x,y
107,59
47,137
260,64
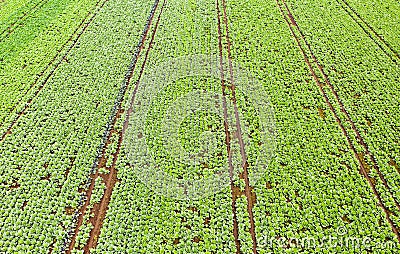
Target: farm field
x,y
226,126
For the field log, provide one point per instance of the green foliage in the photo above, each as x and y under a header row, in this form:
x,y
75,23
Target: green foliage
x,y
311,189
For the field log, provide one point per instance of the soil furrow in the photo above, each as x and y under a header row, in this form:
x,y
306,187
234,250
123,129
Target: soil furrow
x,y
29,102
345,112
390,56
320,85
248,188
111,178
51,63
11,28
227,135
350,10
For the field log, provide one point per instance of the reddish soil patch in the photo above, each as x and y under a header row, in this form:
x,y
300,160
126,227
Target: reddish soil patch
x,y
24,205
207,221
69,210
46,177
346,219
394,164
192,208
321,113
15,185
196,239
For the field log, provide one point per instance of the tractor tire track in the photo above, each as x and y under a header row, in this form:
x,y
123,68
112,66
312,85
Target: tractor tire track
x,y
95,233
111,178
370,31
100,5
248,189
227,136
345,112
51,63
290,24
11,28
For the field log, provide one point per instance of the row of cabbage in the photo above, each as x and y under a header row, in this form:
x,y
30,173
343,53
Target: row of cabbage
x,y
28,54
365,79
293,200
142,218
313,197
382,16
13,11
312,189
51,150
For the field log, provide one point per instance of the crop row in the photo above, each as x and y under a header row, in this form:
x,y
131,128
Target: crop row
x,y
46,35
49,155
13,12
53,65
382,18
364,168
108,155
287,196
362,79
313,187
371,31
157,223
